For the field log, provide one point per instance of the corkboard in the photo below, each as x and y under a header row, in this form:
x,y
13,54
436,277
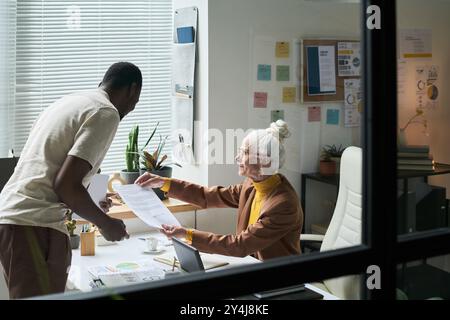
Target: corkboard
x,y
339,96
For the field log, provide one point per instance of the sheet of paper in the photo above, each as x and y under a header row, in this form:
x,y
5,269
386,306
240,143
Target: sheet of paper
x,y
333,116
349,59
289,94
283,73
282,50
260,100
427,87
146,205
264,72
97,190
353,102
415,44
314,114
327,69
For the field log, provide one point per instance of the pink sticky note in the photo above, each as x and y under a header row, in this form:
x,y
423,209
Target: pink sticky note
x,y
260,100
314,114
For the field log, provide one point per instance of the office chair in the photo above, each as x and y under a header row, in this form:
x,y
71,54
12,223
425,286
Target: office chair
x,y
345,226
7,166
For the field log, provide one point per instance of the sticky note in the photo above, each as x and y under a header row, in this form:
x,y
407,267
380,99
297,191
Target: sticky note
x,y
185,34
282,50
333,116
282,73
264,72
314,114
289,94
260,100
276,115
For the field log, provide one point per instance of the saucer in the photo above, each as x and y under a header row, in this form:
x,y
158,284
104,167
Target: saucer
x,y
159,250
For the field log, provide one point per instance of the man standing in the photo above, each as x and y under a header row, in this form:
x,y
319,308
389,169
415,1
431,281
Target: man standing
x,y
64,150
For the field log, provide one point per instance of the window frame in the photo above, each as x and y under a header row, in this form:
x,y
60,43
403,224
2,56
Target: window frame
x,y
382,246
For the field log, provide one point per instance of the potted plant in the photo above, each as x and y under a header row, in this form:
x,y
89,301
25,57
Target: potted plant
x,y
71,226
131,173
154,162
335,155
326,166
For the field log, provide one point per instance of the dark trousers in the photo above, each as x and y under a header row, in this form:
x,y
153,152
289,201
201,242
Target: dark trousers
x,y
35,260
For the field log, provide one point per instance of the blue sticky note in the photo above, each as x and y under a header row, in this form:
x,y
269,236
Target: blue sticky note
x,y
264,72
333,116
185,34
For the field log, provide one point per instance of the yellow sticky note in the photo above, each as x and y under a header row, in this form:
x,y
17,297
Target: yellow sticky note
x,y
282,50
289,94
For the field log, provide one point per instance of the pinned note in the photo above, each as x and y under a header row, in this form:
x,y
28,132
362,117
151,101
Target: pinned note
x,y
276,115
282,50
289,94
260,100
264,72
283,73
333,116
314,114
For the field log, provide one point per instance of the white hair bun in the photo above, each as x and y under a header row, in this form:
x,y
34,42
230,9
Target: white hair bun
x,y
280,129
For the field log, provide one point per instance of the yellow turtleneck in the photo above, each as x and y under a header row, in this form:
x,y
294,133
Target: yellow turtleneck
x,y
263,189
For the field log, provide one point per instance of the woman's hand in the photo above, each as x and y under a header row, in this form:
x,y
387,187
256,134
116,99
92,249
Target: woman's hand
x,y
150,180
173,231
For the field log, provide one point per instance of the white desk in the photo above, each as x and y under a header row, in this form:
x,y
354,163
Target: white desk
x,y
132,250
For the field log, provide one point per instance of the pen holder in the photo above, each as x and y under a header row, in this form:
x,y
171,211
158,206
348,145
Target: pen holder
x,y
87,240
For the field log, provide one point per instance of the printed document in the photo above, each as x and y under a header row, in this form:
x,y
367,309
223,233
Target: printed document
x,y
146,205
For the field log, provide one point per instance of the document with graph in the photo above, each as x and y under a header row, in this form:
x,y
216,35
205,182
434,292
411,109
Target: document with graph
x,y
146,205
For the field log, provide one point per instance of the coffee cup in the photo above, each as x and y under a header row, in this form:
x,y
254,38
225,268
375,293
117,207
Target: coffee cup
x,y
152,244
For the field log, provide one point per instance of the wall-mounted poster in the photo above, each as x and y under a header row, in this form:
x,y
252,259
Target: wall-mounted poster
x,y
349,59
415,44
427,88
321,70
353,102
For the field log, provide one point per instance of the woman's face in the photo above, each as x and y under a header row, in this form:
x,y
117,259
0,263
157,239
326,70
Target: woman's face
x,y
249,166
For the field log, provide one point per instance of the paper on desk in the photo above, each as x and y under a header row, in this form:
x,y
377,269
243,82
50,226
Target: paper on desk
x,y
146,205
97,190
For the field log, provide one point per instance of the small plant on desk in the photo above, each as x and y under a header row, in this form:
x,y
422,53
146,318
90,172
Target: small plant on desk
x,y
71,226
327,166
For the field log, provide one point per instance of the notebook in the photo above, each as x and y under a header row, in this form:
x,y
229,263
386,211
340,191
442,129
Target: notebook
x,y
208,263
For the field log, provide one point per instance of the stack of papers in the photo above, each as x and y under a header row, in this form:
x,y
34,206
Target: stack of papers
x,y
126,273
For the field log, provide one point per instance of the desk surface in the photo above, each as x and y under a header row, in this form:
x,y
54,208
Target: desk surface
x,y
132,250
121,211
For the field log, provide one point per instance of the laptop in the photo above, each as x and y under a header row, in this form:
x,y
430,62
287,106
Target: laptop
x,y
188,256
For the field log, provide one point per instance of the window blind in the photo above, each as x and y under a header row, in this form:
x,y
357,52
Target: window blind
x,y
66,46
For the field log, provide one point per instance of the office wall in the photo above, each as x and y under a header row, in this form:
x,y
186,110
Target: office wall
x,y
430,15
233,24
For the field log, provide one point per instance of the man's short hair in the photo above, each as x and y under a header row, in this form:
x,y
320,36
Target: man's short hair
x,y
122,74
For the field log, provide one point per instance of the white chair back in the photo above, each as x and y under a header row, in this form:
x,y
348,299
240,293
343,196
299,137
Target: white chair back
x,y
345,226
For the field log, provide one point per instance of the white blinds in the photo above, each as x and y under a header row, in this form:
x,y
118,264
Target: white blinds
x,y
64,46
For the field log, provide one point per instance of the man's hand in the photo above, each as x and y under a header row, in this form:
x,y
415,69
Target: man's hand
x,y
173,231
150,180
107,203
114,230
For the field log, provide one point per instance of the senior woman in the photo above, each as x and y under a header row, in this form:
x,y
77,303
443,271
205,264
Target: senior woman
x,y
269,215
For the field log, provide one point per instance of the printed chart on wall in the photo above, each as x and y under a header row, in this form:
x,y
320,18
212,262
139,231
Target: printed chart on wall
x,y
353,103
274,80
427,87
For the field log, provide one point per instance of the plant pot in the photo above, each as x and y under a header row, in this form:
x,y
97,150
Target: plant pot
x,y
129,177
327,168
75,241
338,163
163,172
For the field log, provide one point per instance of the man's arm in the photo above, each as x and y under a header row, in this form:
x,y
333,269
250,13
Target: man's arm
x,y
70,190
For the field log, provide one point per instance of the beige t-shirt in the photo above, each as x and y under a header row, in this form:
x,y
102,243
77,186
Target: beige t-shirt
x,y
82,124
